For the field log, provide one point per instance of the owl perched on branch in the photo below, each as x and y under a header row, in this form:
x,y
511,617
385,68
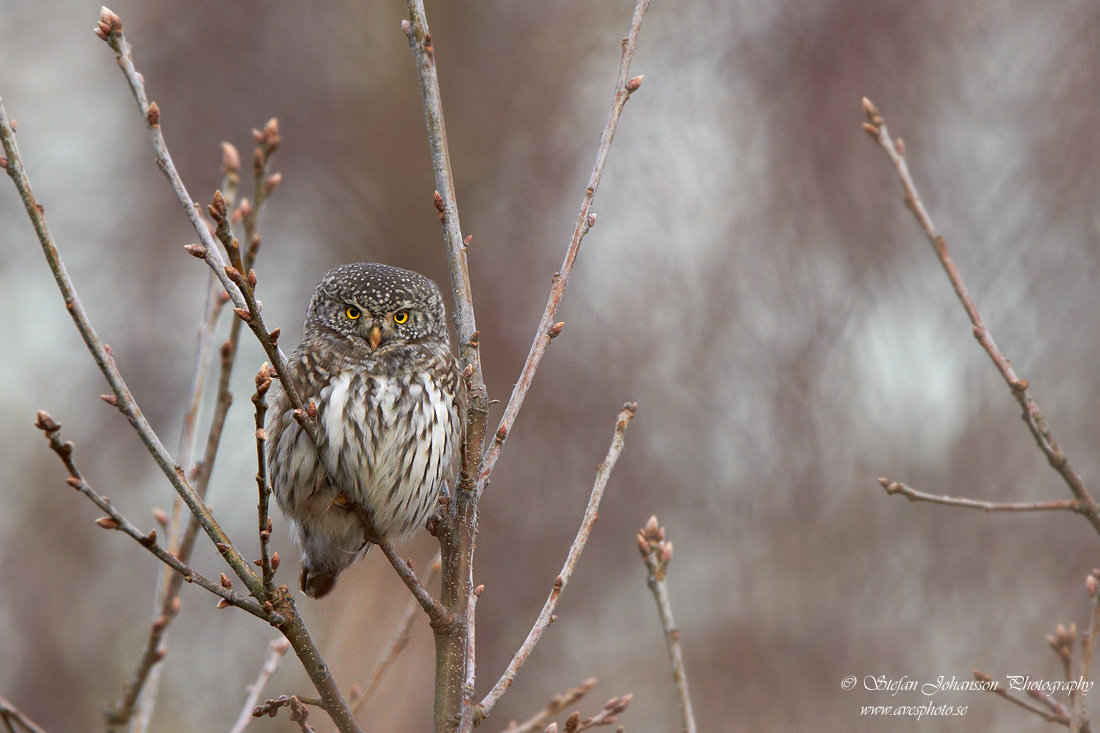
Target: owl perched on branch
x,y
375,360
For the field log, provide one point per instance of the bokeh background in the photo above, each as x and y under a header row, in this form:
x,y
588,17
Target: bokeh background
x,y
754,282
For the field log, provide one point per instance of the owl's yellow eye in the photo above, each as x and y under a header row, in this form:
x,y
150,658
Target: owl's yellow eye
x,y
400,317
352,312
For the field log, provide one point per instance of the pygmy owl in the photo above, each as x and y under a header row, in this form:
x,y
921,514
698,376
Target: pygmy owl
x,y
375,360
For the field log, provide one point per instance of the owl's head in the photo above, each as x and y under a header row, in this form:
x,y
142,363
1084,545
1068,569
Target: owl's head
x,y
375,305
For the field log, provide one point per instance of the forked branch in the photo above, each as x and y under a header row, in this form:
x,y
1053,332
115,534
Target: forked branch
x,y
1036,423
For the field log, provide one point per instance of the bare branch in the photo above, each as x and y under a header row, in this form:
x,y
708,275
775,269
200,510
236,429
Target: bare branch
x,y
362,693
268,564
1079,720
534,724
11,718
876,128
123,399
547,616
1025,704
893,487
116,521
469,710
440,617
657,553
275,653
151,113
547,329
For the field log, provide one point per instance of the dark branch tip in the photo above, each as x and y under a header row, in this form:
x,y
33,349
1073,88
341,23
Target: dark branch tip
x,y
152,115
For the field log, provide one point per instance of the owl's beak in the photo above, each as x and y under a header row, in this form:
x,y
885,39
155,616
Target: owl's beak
x,y
374,336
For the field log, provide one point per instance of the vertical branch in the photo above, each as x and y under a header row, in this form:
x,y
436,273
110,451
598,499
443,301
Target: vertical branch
x,y
547,328
1079,721
657,553
458,531
547,616
275,653
268,564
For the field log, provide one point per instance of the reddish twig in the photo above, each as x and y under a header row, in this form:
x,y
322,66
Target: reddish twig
x,y
11,717
657,553
182,528
1079,721
245,304
439,616
275,653
535,723
547,616
876,128
296,707
547,328
893,487
1025,704
268,563
360,694
121,397
608,716
114,520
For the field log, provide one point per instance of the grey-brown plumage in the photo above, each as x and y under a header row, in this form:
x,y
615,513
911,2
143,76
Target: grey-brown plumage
x,y
375,360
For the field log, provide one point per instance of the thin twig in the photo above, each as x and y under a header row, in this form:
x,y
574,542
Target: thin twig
x,y
546,616
535,723
360,694
1042,712
469,685
893,487
245,304
876,128
439,616
275,653
114,520
11,717
268,564
547,328
182,523
657,553
122,398
1088,646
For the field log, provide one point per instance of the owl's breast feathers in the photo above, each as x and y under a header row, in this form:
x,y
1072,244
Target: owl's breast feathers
x,y
388,432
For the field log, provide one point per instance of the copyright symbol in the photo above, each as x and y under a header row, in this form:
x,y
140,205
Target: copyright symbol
x,y
848,683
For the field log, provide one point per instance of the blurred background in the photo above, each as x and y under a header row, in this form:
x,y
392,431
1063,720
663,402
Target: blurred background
x,y
754,283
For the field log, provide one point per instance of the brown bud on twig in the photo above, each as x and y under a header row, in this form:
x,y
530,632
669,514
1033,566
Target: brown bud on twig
x,y
161,516
274,335
466,242
217,206
74,482
3,162
275,561
1092,586
502,432
151,538
231,159
259,160
222,548
591,220
871,130
243,314
107,523
45,422
633,84
233,274
252,279
245,207
226,583
272,138
195,250
899,145
272,182
438,200
110,399
108,23
555,330
224,603
152,116
406,27
572,722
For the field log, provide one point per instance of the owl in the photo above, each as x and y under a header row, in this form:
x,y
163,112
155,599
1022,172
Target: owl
x,y
375,361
